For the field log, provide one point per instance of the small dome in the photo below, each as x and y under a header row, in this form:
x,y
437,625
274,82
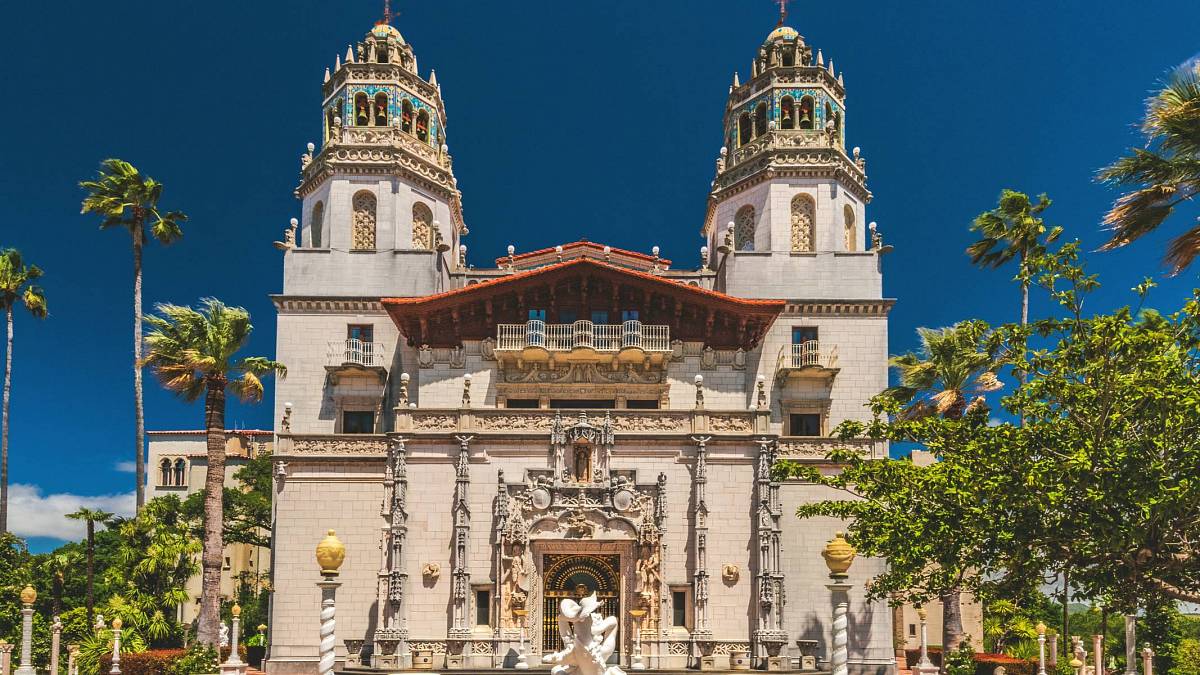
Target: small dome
x,y
783,33
383,31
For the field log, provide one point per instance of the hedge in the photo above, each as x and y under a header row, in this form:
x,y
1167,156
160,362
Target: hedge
x,y
985,664
154,661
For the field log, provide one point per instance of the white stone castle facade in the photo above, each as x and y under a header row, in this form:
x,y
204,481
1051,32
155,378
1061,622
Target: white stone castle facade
x,y
489,440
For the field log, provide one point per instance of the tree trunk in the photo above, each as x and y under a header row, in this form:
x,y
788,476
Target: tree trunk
x,y
952,627
214,484
1024,302
4,425
139,418
91,566
1065,638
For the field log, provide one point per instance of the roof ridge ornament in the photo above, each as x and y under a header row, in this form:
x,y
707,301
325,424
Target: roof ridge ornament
x,y
783,12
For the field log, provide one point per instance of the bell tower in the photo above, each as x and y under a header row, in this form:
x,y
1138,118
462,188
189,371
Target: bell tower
x,y
381,206
787,208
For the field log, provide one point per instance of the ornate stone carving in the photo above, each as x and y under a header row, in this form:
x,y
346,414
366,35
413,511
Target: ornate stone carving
x,y
422,226
512,422
582,373
730,573
804,216
647,422
588,638
433,421
729,423
363,232
329,445
431,571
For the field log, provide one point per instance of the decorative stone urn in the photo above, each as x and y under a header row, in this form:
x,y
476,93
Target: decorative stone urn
x,y
838,555
331,553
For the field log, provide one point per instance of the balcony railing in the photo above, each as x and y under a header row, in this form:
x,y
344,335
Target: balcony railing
x,y
565,337
354,352
810,354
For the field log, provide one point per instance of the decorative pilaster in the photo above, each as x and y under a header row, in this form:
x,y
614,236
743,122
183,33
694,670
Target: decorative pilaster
x,y
660,520
769,634
392,635
460,577
700,541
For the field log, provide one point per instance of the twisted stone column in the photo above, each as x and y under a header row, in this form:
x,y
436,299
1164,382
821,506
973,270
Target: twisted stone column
x,y
327,649
839,657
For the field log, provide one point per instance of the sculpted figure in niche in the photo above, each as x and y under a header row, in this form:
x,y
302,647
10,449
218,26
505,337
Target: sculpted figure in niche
x,y
588,638
648,574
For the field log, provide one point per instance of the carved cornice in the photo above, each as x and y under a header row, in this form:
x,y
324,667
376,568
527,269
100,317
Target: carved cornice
x,y
364,446
787,76
817,449
289,304
872,308
484,422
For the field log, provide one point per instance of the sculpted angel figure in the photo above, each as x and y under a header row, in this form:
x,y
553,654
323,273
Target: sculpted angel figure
x,y
589,639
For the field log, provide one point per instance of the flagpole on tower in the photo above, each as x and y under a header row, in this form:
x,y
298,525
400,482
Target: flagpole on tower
x,y
782,11
387,12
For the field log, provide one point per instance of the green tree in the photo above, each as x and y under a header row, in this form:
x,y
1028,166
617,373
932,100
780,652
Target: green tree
x,y
194,353
91,517
1165,173
16,287
57,566
124,197
1014,230
247,508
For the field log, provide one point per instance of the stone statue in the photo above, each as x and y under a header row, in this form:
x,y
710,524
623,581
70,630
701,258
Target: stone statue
x,y
224,634
589,639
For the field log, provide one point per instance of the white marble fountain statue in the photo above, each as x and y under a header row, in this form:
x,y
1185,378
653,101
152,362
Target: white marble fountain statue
x,y
589,640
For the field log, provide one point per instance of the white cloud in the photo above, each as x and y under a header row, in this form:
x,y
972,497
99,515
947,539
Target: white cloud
x,y
128,466
33,514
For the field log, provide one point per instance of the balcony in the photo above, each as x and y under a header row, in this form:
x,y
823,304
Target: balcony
x,y
583,342
355,357
809,359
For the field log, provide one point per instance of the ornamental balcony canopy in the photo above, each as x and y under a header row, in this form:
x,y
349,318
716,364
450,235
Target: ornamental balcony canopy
x,y
583,341
809,359
355,357
584,303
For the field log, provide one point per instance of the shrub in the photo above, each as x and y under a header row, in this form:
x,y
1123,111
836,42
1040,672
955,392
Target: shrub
x,y
150,662
199,658
985,664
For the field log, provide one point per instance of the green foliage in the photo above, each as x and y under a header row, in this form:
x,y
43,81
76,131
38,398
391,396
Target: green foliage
x,y
199,659
961,661
246,510
1161,626
97,649
1187,661
150,662
124,197
1163,174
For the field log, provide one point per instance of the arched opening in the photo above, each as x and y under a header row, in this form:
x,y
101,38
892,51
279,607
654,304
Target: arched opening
x,y
787,113
745,129
330,116
316,225
789,57
828,115
422,226
381,109
760,119
743,229
806,112
837,125
180,468
165,468
362,110
850,234
423,126
363,234
575,577
406,116
381,53
804,218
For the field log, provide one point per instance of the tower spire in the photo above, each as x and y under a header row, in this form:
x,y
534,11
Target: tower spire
x,y
387,12
782,11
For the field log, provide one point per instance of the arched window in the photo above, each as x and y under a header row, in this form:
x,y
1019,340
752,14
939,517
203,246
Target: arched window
x,y
330,115
787,113
806,112
422,226
850,232
316,225
165,467
789,57
760,119
362,110
745,129
381,53
363,235
743,229
804,218
381,109
423,126
180,466
406,116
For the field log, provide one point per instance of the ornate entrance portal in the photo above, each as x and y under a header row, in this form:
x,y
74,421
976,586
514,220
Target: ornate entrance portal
x,y
575,576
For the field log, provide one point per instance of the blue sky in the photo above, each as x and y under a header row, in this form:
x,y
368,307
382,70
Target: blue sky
x,y
566,120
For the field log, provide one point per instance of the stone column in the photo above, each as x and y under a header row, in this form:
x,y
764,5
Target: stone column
x,y
330,556
924,665
1147,661
5,658
1041,631
55,637
1052,652
1098,653
234,665
1130,644
116,652
839,657
28,596
72,660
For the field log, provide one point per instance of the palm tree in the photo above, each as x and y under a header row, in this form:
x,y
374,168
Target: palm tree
x,y
57,565
193,353
1013,230
1165,173
948,375
16,285
91,516
124,197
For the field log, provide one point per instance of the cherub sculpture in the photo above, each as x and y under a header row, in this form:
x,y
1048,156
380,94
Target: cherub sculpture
x,y
589,639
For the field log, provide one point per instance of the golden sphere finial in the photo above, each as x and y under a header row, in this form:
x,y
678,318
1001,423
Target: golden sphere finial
x,y
922,614
117,623
236,610
330,554
838,554
28,595
1041,628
